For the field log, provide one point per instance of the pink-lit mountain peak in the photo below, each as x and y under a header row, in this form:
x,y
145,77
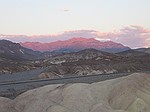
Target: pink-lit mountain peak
x,y
75,39
75,44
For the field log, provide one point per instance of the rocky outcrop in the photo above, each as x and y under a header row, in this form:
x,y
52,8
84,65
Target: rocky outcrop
x,y
126,94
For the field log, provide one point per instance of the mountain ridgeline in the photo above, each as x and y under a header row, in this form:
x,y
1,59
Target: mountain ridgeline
x,y
76,44
78,58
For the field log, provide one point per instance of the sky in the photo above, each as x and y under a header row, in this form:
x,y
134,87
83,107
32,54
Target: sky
x,y
116,20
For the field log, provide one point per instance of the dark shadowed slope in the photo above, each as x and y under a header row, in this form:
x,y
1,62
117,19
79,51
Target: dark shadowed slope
x,y
15,58
132,53
14,51
146,50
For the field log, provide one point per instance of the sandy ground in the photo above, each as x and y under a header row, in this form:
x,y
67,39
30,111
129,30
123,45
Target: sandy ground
x,y
125,94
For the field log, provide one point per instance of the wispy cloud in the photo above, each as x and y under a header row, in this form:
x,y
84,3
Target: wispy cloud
x,y
132,36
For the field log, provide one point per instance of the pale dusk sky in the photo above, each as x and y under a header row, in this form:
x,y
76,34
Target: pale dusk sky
x,y
54,17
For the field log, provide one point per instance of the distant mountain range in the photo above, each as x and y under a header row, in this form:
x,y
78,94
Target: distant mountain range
x,y
80,57
16,52
76,44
